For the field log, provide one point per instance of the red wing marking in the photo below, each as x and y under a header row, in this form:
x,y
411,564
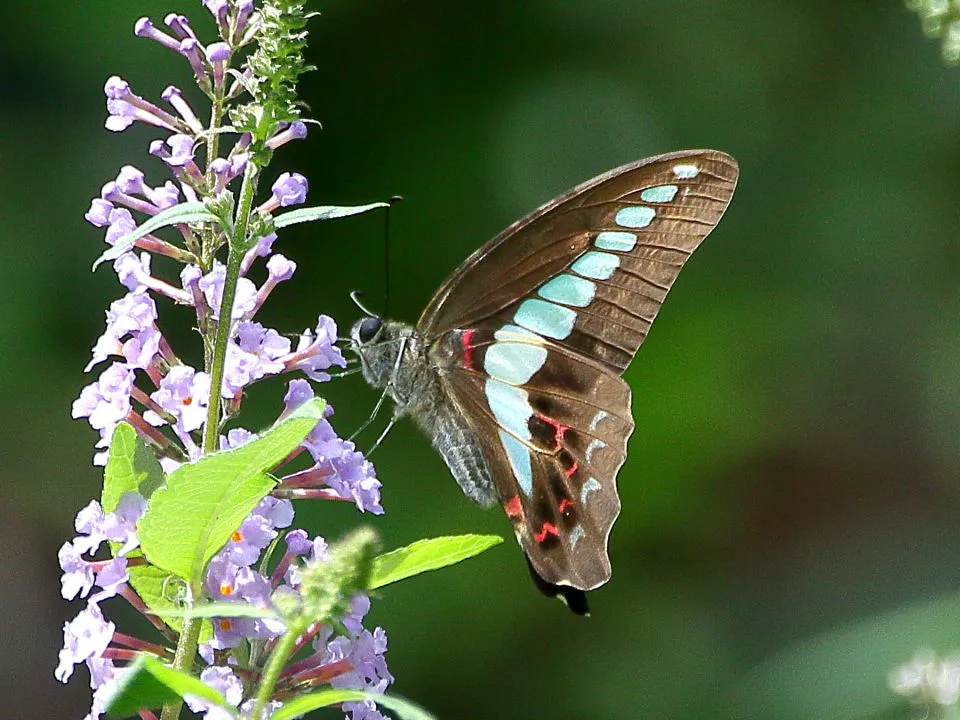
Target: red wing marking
x,y
558,430
572,469
465,338
546,530
513,508
564,505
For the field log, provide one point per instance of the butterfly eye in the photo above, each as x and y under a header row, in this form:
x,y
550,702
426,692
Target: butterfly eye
x,y
369,327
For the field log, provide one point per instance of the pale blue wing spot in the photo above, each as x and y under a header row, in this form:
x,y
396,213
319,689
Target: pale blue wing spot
x,y
575,536
569,290
589,486
514,362
515,333
620,241
635,216
597,419
659,194
510,406
686,172
519,458
546,318
596,265
594,445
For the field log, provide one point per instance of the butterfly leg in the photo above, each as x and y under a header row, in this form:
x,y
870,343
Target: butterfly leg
x,y
386,430
387,390
373,414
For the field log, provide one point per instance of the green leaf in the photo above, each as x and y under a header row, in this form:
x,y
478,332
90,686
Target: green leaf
x,y
221,609
180,214
130,466
404,709
148,683
191,517
425,555
323,212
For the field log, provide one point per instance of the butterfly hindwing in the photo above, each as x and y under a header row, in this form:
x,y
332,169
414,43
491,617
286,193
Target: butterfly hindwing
x,y
553,442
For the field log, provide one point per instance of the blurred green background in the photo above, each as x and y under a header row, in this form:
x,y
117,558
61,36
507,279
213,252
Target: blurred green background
x,y
790,499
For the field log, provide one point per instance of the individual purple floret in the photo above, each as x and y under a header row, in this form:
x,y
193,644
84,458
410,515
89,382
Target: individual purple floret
x,y
85,637
212,286
184,393
316,351
288,189
225,682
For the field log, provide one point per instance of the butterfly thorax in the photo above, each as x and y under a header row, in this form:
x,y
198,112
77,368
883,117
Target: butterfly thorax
x,y
396,358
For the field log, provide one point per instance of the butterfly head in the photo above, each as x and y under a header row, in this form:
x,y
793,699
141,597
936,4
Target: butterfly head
x,y
377,343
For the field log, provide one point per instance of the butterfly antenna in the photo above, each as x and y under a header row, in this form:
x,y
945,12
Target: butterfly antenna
x,y
355,295
386,253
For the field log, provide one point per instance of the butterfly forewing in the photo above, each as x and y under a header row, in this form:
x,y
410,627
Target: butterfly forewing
x,y
607,251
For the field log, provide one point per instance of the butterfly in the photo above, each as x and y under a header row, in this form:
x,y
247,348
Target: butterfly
x,y
514,368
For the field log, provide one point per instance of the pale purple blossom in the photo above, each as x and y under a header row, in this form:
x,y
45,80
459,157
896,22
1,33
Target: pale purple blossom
x,y
223,680
145,28
181,150
289,189
297,130
99,213
107,401
212,286
316,351
121,225
185,394
85,637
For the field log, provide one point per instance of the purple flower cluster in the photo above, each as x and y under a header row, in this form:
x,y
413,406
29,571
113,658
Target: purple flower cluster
x,y
350,658
145,382
170,413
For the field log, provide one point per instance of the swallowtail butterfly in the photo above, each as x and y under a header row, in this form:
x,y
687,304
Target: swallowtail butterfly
x,y
514,368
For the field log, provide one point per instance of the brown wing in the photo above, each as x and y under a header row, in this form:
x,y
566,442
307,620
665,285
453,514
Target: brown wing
x,y
553,445
626,234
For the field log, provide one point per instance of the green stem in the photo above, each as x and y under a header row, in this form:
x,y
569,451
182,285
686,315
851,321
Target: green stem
x,y
271,673
237,248
183,659
190,632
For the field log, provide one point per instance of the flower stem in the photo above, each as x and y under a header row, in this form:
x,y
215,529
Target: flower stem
x,y
183,659
237,249
271,673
